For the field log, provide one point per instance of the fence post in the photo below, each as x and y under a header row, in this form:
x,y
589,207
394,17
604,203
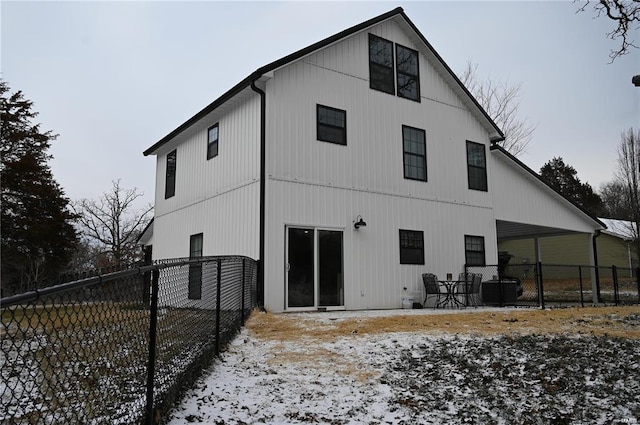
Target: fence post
x,y
539,281
150,417
616,295
581,289
218,293
243,288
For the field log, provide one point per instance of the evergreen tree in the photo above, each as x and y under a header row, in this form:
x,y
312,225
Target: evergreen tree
x,y
564,178
38,237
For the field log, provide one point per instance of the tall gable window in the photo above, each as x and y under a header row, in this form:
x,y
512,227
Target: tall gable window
x,y
332,125
476,166
411,247
212,141
195,270
474,250
170,180
415,153
408,75
381,64
388,71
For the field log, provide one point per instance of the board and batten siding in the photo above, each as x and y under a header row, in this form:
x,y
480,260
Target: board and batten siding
x,y
373,275
522,198
324,185
218,197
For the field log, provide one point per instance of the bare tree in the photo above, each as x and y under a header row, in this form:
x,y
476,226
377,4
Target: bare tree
x,y
614,200
626,14
113,223
628,177
500,101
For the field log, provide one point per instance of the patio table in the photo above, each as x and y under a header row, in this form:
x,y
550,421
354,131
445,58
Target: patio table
x,y
450,294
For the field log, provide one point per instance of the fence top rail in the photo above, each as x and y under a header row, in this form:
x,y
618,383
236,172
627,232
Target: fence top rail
x,y
34,295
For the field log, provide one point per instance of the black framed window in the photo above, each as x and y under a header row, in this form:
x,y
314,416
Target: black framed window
x,y
474,250
411,247
476,166
212,141
408,74
195,270
381,64
332,125
170,180
415,153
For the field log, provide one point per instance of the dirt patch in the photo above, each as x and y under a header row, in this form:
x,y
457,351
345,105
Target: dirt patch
x,y
623,322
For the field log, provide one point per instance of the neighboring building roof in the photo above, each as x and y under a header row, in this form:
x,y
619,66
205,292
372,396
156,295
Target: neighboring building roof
x,y
620,228
498,148
497,133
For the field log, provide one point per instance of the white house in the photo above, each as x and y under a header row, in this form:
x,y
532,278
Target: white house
x,y
367,126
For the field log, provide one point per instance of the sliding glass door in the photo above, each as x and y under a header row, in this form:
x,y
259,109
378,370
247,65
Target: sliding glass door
x,y
315,270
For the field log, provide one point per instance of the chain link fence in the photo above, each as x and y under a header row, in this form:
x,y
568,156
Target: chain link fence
x,y
119,348
550,284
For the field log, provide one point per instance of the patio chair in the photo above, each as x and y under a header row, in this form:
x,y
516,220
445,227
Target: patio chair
x,y
464,287
431,288
474,292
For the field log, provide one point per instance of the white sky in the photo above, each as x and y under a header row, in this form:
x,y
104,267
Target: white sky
x,y
112,78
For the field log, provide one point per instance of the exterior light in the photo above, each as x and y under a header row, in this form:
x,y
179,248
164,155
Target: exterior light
x,y
636,80
359,223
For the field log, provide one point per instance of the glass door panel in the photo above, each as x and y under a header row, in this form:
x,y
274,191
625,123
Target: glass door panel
x,y
300,280
330,268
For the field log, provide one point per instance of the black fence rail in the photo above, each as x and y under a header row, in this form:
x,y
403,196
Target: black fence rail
x,y
119,348
541,284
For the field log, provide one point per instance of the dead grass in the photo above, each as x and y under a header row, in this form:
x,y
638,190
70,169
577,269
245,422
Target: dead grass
x,y
623,322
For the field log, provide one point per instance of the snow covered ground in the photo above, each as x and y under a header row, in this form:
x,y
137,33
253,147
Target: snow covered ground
x,y
314,375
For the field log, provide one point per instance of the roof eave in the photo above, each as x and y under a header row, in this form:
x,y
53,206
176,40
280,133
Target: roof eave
x,y
269,68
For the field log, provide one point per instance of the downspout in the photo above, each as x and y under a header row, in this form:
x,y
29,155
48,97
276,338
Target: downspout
x,y
597,298
263,106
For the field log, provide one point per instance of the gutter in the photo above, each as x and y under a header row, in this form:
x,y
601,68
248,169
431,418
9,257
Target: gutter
x,y
595,264
263,107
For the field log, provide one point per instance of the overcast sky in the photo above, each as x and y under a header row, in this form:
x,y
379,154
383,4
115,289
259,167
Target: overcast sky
x,y
112,78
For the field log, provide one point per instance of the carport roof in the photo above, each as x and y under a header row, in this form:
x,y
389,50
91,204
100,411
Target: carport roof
x,y
508,229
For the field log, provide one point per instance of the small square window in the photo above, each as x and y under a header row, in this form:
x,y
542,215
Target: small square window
x,y
476,166
170,177
332,125
212,141
474,250
411,247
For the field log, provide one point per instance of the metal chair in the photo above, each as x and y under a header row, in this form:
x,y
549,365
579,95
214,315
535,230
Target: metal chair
x,y
431,288
464,287
474,292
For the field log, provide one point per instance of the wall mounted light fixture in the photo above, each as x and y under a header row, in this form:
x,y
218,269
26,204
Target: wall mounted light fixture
x,y
359,223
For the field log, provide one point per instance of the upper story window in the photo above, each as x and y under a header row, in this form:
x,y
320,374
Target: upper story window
x,y
387,70
415,153
170,180
381,64
408,74
474,250
212,141
476,166
411,247
332,125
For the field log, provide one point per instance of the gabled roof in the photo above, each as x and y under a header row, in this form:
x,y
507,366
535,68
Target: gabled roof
x,y
397,12
503,151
